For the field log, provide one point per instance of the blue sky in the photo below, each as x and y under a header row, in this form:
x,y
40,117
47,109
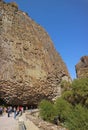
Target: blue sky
x,y
66,22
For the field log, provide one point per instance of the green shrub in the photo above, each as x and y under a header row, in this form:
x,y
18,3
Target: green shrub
x,y
78,119
62,109
73,118
67,108
65,85
78,93
68,95
47,110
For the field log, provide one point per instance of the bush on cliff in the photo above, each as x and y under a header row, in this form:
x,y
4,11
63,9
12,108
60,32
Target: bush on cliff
x,y
65,85
77,119
71,108
72,117
47,111
79,92
62,109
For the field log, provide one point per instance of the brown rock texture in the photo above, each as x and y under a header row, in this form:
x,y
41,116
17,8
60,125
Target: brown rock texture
x,y
30,67
82,67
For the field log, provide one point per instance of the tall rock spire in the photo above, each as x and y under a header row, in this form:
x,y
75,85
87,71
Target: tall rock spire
x,y
82,67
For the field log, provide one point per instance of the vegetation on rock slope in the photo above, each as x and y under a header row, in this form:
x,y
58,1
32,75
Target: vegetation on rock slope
x,y
71,108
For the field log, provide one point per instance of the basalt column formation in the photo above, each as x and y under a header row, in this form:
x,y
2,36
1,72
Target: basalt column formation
x,y
30,67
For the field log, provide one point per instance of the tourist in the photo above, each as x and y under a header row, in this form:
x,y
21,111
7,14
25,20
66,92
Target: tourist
x,y
20,110
17,111
1,110
14,109
8,111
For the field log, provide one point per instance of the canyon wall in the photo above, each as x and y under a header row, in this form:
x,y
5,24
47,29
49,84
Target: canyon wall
x,y
30,67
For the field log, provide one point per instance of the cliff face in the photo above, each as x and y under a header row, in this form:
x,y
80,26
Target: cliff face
x,y
30,67
82,68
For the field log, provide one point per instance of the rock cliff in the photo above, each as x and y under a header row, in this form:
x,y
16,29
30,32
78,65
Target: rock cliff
x,y
82,68
30,67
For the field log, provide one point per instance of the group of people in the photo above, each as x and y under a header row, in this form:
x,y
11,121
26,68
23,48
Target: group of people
x,y
10,110
18,111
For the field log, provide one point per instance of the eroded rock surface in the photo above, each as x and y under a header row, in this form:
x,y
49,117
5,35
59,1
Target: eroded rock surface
x,y
30,67
82,67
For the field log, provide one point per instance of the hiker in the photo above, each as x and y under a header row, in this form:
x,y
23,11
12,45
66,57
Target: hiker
x,y
20,110
8,111
17,111
1,110
14,109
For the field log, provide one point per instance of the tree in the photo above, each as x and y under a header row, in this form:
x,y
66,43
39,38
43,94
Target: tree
x,y
78,93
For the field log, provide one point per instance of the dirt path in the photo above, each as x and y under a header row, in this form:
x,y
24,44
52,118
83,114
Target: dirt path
x,y
8,123
28,123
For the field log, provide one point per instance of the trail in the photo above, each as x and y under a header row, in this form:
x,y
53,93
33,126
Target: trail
x,y
8,123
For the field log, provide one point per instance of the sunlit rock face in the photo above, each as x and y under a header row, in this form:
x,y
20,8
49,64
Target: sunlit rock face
x,y
30,67
82,67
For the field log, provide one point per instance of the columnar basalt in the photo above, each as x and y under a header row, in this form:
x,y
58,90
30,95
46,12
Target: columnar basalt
x,y
30,67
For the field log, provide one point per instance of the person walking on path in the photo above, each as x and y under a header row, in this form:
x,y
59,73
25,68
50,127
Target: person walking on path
x,y
14,109
1,110
8,111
